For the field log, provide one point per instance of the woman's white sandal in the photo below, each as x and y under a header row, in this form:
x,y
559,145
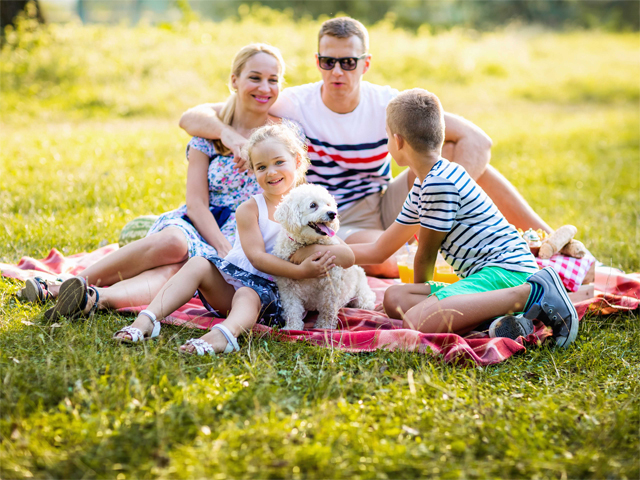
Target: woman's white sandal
x,y
203,347
136,333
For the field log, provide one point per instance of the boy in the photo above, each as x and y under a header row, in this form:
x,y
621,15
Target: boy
x,y
499,275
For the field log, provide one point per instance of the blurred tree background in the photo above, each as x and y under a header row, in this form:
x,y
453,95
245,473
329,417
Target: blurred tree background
x,y
411,14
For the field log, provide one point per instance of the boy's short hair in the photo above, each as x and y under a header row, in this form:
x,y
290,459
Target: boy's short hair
x,y
417,116
344,27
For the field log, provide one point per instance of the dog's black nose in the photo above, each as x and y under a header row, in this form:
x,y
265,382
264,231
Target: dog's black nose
x,y
332,215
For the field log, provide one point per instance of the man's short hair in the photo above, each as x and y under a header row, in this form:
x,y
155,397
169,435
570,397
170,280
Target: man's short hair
x,y
417,116
344,27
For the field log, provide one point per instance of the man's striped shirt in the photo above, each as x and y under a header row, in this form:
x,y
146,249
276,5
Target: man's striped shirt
x,y
448,200
348,152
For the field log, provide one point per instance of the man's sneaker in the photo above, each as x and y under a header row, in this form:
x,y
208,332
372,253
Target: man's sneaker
x,y
511,327
554,308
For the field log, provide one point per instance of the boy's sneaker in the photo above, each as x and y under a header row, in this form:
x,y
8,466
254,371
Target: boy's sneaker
x,y
511,327
554,308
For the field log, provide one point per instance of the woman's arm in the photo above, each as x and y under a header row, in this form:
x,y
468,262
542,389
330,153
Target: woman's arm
x,y
198,202
425,260
387,244
253,245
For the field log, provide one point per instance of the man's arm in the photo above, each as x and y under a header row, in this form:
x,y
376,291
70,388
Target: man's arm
x,y
425,260
203,121
466,144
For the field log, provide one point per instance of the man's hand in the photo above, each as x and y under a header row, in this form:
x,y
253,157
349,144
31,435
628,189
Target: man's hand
x,y
234,142
316,265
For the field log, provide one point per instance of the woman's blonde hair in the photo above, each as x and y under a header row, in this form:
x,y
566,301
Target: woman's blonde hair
x,y
239,61
289,138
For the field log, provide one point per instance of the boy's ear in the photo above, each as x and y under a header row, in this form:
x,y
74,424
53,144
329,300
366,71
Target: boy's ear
x,y
399,141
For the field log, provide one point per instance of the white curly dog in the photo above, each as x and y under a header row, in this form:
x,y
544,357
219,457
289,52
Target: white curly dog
x,y
309,215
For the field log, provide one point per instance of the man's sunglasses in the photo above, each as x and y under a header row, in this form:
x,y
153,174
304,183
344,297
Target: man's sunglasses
x,y
346,63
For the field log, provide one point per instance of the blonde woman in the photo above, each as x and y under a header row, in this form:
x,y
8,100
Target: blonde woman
x,y
216,185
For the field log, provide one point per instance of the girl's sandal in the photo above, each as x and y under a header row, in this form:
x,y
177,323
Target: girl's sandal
x,y
203,347
136,334
73,299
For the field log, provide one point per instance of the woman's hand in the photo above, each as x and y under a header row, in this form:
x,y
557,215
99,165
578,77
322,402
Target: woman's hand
x,y
222,246
316,265
234,142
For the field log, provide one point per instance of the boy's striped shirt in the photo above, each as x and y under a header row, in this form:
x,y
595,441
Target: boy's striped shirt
x,y
448,200
348,152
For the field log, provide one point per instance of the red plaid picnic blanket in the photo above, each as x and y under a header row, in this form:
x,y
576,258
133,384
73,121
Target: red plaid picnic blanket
x,y
572,271
363,330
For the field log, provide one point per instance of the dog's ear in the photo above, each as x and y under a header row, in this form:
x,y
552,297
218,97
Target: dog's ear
x,y
283,213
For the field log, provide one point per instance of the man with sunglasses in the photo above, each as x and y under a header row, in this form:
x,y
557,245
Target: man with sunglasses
x,y
343,117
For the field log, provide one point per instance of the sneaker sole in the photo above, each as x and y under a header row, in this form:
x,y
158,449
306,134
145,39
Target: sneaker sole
x,y
507,328
573,329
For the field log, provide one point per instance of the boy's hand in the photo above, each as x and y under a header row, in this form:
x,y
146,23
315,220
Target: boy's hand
x,y
302,254
316,265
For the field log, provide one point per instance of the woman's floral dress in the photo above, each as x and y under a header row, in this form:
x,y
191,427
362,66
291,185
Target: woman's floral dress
x,y
227,188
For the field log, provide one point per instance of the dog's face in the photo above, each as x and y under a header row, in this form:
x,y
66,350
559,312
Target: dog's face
x,y
309,213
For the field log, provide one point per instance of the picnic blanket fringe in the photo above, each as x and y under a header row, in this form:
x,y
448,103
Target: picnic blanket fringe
x,y
364,330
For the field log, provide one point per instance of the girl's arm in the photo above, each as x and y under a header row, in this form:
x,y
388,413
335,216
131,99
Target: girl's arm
x,y
343,253
198,202
253,245
386,245
425,260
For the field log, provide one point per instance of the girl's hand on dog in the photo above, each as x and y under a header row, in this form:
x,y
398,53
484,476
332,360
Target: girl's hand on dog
x,y
316,265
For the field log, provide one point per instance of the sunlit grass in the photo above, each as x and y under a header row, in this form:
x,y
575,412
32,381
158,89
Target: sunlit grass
x,y
90,140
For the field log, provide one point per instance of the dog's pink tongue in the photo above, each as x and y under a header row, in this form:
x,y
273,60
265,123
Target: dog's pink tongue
x,y
326,229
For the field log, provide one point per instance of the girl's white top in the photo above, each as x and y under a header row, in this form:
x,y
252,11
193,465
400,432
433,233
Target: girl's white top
x,y
269,230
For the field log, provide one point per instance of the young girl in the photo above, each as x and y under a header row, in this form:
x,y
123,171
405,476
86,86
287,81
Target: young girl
x,y
240,285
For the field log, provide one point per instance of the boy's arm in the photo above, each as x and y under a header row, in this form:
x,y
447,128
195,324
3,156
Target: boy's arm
x,y
203,121
425,260
343,253
386,245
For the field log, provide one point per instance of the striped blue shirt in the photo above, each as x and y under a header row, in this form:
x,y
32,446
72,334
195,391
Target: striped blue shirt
x,y
348,151
478,235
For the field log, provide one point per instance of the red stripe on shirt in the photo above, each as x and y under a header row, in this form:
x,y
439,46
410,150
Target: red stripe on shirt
x,y
338,158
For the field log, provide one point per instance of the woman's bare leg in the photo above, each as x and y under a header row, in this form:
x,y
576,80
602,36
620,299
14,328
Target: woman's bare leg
x,y
462,313
163,248
245,309
138,290
197,273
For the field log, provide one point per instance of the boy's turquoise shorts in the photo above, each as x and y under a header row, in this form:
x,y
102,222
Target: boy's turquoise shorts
x,y
486,280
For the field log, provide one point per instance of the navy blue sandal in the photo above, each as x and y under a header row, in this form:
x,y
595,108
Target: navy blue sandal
x,y
72,300
36,290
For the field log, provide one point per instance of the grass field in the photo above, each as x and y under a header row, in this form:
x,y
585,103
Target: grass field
x,y
90,140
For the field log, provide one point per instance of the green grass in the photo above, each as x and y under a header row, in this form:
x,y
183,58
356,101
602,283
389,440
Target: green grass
x,y
90,140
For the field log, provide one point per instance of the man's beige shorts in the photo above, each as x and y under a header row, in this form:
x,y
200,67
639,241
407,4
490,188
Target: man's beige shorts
x,y
377,211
